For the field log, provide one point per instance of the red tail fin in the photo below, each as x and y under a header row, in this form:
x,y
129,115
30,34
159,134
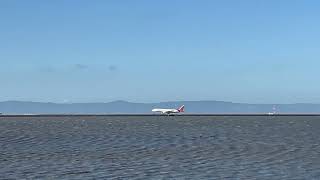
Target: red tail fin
x,y
181,109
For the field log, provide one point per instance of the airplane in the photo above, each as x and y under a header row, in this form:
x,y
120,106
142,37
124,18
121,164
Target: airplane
x,y
169,111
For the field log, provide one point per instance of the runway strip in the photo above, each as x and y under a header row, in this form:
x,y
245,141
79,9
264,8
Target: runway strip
x,y
126,115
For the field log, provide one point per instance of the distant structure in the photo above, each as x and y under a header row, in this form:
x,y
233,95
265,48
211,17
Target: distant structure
x,y
273,111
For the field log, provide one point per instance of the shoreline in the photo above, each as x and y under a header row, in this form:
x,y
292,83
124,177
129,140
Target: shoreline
x,y
146,114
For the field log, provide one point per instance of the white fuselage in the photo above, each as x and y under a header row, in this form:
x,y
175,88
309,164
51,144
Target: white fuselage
x,y
165,111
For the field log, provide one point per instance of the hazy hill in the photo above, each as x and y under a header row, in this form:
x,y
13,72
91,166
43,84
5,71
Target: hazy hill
x,y
10,107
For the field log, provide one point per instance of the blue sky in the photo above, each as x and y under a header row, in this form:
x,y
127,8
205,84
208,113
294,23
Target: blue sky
x,y
148,51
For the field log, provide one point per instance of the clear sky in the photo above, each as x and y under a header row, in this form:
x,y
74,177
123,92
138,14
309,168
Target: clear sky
x,y
254,51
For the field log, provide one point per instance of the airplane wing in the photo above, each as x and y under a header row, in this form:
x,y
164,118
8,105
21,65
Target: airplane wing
x,y
166,112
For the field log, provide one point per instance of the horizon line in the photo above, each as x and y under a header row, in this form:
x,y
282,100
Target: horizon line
x,y
174,101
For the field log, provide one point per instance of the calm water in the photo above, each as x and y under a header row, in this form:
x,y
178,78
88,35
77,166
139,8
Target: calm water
x,y
160,148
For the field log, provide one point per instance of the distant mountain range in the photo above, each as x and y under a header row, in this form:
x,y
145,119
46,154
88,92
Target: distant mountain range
x,y
21,107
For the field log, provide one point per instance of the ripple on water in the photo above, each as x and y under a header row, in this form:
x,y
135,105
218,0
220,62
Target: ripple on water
x,y
159,148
